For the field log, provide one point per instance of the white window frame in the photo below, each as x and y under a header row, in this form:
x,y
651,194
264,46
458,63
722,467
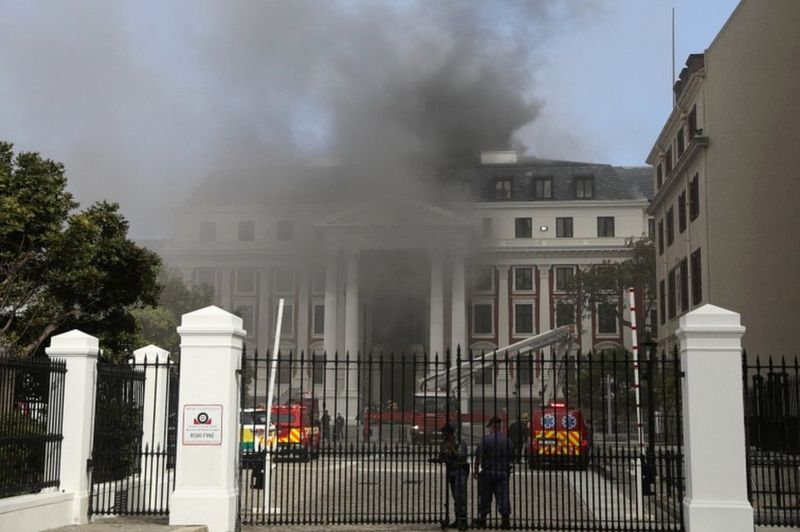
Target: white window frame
x,y
532,303
565,301
482,301
555,277
597,321
317,302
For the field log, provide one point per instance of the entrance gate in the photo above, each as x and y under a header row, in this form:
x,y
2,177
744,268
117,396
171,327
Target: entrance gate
x,y
135,430
581,462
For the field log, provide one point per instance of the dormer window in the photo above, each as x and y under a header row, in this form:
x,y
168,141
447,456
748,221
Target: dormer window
x,y
543,188
584,187
502,188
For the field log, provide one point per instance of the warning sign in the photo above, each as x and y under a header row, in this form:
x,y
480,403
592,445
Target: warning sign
x,y
202,425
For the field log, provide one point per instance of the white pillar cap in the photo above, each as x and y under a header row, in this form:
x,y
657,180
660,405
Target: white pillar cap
x,y
73,343
152,354
211,320
710,319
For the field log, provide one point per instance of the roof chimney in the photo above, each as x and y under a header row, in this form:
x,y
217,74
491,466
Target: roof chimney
x,y
499,157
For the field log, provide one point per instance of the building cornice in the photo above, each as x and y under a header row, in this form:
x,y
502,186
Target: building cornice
x,y
679,111
550,204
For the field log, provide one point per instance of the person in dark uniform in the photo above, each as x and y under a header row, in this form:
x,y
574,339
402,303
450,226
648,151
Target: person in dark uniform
x,y
518,433
453,454
338,428
326,425
492,469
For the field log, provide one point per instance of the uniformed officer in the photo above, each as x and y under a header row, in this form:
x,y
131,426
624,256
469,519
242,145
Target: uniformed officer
x,y
453,454
493,456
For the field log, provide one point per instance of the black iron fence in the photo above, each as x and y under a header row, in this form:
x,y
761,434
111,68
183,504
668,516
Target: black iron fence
x,y
135,429
354,439
772,423
31,416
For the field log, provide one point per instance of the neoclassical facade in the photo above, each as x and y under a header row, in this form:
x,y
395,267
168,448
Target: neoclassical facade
x,y
486,260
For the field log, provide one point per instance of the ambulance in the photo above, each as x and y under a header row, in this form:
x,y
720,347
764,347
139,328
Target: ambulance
x,y
559,436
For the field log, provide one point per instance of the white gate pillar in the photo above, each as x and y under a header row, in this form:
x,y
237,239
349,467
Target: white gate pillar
x,y
713,420
80,351
207,473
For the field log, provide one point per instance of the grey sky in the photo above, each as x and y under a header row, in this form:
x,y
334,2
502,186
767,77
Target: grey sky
x,y
142,100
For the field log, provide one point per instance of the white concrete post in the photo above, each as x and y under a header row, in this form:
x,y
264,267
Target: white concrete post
x,y
80,351
206,473
713,421
156,390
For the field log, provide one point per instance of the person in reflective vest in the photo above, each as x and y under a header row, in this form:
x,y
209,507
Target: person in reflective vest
x,y
492,470
453,454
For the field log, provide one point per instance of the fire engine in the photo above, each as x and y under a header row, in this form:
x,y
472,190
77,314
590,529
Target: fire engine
x,y
298,434
559,435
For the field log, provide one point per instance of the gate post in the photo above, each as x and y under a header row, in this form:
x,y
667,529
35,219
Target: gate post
x,y
156,389
713,420
80,351
206,472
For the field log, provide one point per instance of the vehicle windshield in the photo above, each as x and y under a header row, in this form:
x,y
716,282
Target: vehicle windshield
x,y
256,417
431,404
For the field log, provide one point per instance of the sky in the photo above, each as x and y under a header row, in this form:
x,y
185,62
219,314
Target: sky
x,y
143,100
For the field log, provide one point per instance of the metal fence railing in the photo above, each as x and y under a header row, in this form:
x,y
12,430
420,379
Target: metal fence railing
x,y
772,422
31,418
355,439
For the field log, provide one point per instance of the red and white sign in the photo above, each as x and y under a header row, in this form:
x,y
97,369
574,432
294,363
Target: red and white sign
x,y
202,425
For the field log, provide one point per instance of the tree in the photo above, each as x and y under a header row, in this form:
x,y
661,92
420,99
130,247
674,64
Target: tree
x,y
63,268
157,325
604,284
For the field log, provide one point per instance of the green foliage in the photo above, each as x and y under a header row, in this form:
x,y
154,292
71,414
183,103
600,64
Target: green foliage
x,y
22,454
61,268
157,325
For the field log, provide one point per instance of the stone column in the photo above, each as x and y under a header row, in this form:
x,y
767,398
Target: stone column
x,y
302,314
351,334
206,475
225,283
331,304
80,351
713,420
545,298
503,321
459,307
436,340
264,332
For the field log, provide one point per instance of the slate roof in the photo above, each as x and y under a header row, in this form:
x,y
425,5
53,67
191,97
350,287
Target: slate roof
x,y
335,183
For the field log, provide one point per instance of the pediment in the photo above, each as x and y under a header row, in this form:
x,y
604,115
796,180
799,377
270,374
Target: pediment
x,y
395,212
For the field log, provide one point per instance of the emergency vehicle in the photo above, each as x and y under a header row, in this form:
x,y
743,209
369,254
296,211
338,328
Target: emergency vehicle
x,y
255,436
298,433
559,435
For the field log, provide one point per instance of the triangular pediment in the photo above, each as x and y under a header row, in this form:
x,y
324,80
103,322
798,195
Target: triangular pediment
x,y
395,212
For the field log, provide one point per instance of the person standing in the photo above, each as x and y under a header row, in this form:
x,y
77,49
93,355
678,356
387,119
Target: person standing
x,y
326,425
492,469
453,454
338,428
518,433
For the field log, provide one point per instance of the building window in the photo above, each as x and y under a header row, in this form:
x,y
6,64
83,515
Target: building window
x,y
543,188
692,121
659,175
523,279
680,142
245,281
502,188
487,228
605,226
584,187
697,278
563,227
207,278
482,319
565,313
662,301
668,161
287,324
682,212
565,278
483,279
607,318
694,198
671,294
684,288
670,226
285,229
523,228
284,281
523,318
318,319
525,369
247,230
661,237
208,231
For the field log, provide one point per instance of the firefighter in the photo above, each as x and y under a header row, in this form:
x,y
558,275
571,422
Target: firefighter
x,y
518,433
492,470
453,454
326,425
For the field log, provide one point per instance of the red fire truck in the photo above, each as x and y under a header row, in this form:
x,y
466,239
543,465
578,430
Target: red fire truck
x,y
559,435
298,434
